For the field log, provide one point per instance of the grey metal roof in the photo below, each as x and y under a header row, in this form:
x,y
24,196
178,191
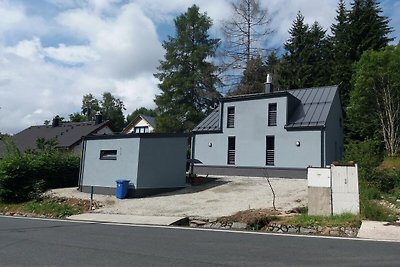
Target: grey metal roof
x,y
310,108
314,107
67,134
151,120
211,123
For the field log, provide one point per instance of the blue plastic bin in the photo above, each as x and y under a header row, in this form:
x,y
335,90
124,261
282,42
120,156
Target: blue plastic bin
x,y
121,191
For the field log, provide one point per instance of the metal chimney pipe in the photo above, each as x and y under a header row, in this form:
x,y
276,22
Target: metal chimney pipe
x,y
268,84
98,117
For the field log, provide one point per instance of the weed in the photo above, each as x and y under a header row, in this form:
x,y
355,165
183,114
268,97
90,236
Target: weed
x,y
342,220
373,210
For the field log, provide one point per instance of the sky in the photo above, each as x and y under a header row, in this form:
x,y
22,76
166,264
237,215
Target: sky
x,y
52,52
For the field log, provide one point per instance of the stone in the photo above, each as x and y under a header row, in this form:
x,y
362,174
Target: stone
x,y
239,225
284,228
293,230
334,232
304,230
216,225
212,220
198,222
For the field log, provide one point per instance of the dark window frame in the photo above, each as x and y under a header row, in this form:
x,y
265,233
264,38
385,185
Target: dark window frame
x,y
231,155
270,150
108,154
144,128
230,118
272,114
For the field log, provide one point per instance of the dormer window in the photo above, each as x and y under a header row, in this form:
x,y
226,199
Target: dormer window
x,y
231,117
272,114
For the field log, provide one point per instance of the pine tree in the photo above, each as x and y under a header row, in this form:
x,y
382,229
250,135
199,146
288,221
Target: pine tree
x,y
342,64
187,78
306,62
368,29
294,72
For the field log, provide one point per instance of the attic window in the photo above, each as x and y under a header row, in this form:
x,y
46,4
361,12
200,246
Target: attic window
x,y
108,154
141,129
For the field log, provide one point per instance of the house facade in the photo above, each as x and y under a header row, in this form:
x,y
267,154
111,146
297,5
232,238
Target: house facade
x,y
141,124
277,134
154,163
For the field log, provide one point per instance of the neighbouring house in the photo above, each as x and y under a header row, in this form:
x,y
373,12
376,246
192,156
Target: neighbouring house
x,y
141,124
68,136
154,163
275,134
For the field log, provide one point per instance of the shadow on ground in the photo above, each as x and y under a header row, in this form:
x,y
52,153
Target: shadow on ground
x,y
202,184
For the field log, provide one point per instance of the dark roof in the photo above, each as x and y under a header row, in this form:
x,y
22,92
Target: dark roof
x,y
308,107
151,120
210,123
67,134
314,108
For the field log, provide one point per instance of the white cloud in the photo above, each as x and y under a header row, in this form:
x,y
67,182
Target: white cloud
x,y
73,54
118,54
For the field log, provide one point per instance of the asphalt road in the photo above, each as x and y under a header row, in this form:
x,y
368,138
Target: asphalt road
x,y
28,242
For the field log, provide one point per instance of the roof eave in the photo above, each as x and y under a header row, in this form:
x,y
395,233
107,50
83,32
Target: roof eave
x,y
304,128
207,132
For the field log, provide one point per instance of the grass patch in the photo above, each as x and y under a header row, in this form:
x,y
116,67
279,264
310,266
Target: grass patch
x,y
52,208
342,220
390,163
373,210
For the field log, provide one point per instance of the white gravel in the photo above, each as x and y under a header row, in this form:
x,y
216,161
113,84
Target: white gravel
x,y
221,197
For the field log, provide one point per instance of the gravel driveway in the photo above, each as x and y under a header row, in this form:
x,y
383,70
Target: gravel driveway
x,y
220,197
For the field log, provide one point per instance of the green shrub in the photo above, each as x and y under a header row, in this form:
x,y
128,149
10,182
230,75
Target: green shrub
x,y
367,154
26,176
368,191
384,180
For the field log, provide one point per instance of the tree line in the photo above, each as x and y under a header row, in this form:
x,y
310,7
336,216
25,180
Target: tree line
x,y
197,67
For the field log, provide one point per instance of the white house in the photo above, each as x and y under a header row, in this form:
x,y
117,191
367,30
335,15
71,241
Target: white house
x,y
141,124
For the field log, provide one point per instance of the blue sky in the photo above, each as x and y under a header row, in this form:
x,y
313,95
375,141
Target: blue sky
x,y
52,52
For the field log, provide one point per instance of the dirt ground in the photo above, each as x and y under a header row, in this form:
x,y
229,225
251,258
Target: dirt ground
x,y
222,196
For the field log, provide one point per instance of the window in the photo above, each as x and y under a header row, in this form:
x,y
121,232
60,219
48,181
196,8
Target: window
x,y
231,149
270,147
108,154
231,117
272,114
141,129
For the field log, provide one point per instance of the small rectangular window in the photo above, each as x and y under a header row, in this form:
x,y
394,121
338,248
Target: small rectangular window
x,y
270,149
272,114
108,154
231,150
231,117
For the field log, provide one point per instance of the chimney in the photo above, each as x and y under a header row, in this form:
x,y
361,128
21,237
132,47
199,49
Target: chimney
x,y
98,117
268,84
56,121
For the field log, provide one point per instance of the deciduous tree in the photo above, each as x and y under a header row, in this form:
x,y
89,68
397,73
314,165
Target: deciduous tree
x,y
374,108
245,36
